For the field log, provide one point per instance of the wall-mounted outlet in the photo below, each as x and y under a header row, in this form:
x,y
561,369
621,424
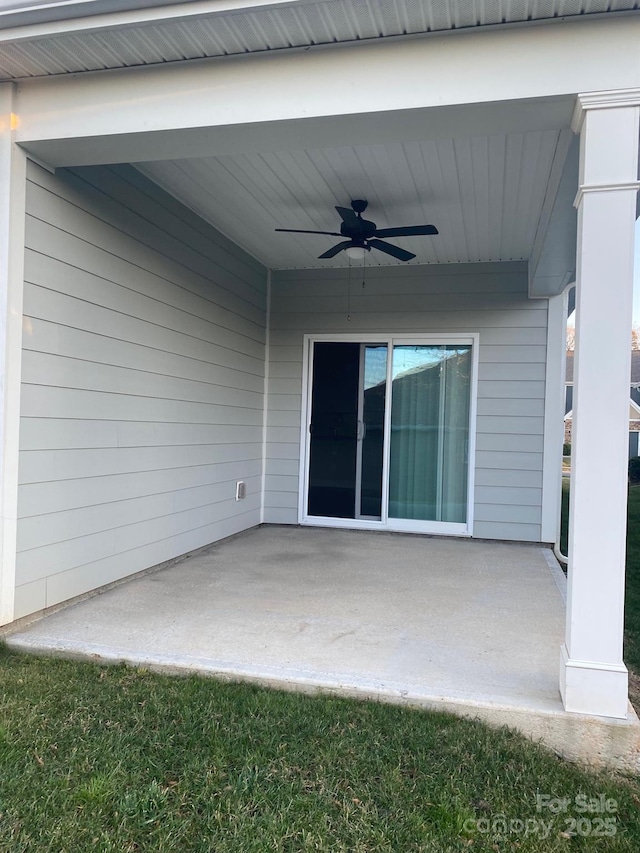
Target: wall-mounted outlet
x,y
241,490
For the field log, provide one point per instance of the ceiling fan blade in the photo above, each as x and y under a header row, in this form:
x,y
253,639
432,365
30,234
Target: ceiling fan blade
x,y
409,231
333,251
348,216
395,251
301,231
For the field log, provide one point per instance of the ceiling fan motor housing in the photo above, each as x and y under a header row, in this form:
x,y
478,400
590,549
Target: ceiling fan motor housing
x,y
355,227
363,234
359,230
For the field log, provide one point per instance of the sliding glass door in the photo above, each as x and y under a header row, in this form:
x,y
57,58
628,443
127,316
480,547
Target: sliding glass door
x,y
388,433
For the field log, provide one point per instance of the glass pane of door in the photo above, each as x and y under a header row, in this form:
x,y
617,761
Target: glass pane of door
x,y
334,430
346,446
373,387
428,464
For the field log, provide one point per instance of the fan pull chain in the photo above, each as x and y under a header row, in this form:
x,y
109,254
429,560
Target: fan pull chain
x,y
349,292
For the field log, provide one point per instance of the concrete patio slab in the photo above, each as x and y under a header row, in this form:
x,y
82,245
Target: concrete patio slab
x,y
465,626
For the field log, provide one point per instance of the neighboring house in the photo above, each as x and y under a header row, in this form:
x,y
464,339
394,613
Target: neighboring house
x,y
163,343
634,402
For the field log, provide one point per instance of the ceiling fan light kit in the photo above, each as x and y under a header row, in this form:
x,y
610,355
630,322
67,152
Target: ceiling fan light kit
x,y
356,253
363,235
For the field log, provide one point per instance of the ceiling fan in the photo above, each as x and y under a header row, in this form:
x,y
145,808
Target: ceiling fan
x,y
364,235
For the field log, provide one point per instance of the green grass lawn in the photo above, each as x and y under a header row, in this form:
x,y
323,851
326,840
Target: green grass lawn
x,y
632,602
115,759
632,595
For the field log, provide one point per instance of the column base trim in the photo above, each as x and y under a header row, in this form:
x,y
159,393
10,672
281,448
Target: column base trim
x,y
590,687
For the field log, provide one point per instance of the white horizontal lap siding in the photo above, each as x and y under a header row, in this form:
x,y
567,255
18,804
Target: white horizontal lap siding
x,y
142,384
490,299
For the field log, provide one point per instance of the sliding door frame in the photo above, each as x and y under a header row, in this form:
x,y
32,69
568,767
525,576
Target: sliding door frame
x,y
386,523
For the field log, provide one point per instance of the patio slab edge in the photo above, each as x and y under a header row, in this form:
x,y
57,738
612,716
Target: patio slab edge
x,y
594,741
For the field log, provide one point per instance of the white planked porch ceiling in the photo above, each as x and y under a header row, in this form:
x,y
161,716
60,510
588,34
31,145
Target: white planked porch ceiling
x,y
485,194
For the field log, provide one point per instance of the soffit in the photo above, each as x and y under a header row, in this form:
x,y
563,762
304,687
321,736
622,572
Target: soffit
x,y
185,31
486,194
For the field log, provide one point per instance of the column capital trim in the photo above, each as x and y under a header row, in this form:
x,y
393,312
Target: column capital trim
x,y
613,99
583,189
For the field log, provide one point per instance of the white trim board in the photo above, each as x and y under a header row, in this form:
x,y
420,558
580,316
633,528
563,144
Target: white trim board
x,y
554,400
13,179
97,116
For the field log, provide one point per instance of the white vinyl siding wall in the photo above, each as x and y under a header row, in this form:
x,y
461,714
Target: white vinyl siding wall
x,y
143,380
490,299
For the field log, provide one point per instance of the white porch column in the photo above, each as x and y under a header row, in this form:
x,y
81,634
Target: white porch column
x,y
12,215
593,678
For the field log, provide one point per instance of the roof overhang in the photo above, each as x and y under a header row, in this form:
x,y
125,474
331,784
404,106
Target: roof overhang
x,y
290,101
39,39
27,19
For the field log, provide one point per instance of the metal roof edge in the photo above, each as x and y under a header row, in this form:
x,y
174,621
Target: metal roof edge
x,y
67,16
77,16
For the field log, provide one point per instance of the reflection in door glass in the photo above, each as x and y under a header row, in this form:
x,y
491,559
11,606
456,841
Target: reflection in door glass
x,y
372,448
429,432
